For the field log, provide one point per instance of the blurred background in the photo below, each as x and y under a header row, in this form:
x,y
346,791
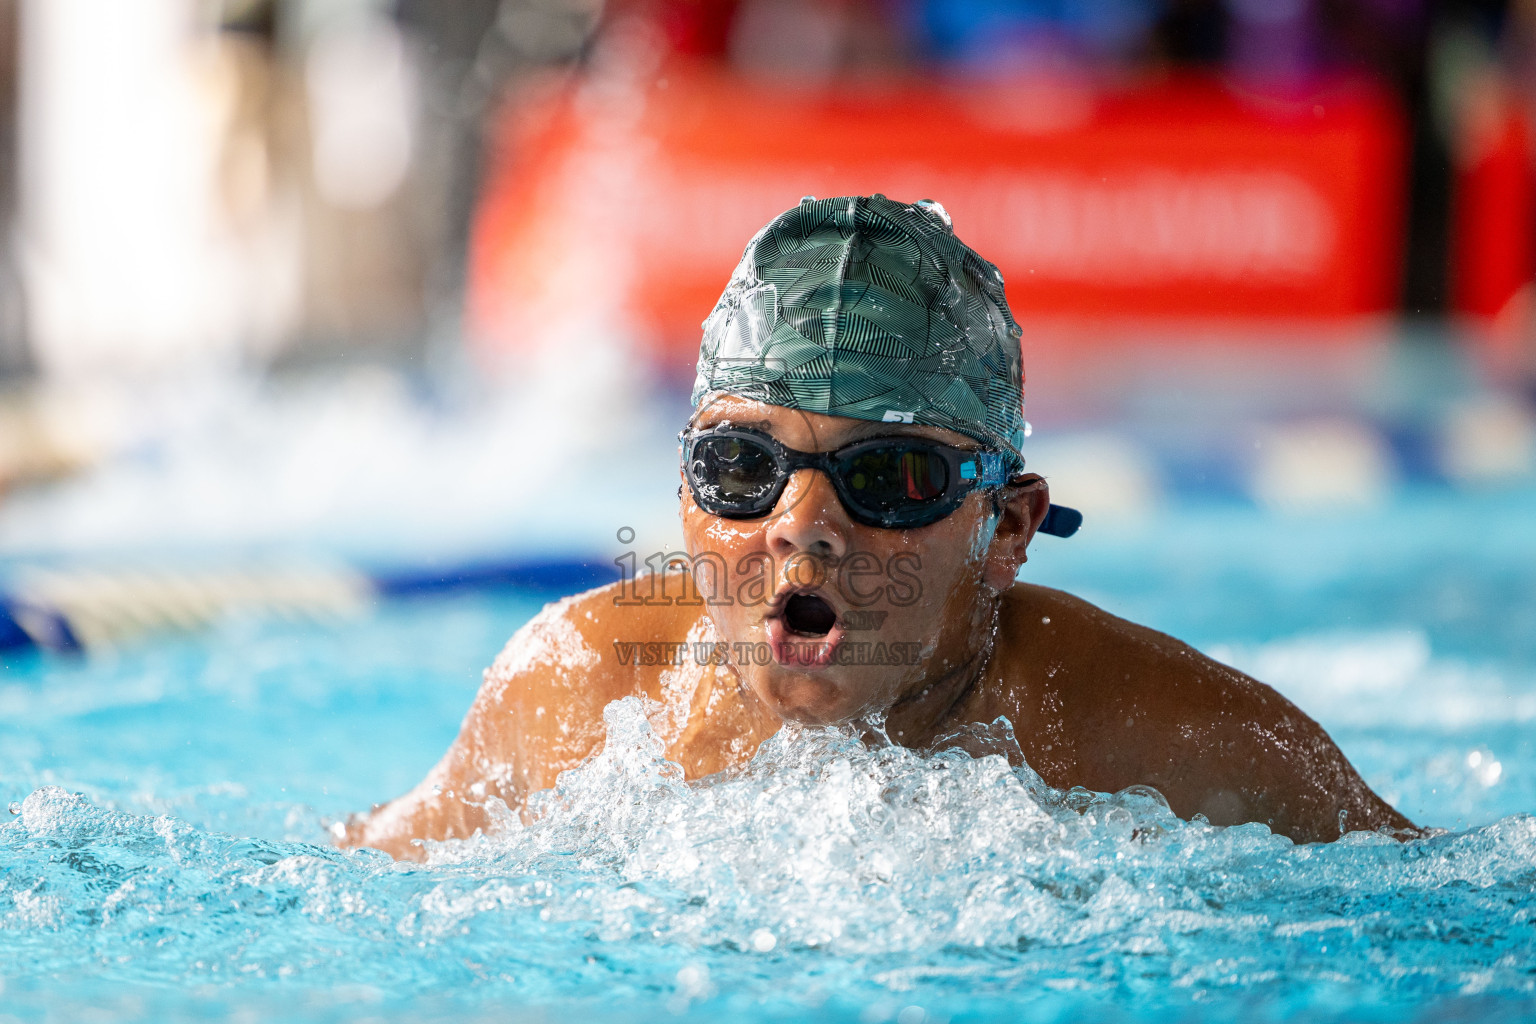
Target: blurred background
x,y
338,336
350,297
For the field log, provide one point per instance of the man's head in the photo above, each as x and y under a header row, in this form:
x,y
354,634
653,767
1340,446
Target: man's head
x,y
871,309
859,327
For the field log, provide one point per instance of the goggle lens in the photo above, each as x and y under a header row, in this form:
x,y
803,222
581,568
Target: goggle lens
x,y
735,470
894,477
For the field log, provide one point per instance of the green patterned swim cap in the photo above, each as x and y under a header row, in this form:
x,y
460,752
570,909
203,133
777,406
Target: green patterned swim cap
x,y
864,307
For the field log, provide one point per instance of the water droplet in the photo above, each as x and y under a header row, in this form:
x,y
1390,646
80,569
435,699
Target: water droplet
x,y
14,807
763,940
936,210
693,981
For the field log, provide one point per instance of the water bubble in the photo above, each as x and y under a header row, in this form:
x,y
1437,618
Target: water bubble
x,y
14,807
763,940
936,210
693,977
692,983
1485,768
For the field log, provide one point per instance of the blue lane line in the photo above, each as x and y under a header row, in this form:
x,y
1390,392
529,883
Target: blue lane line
x,y
12,636
566,576
48,629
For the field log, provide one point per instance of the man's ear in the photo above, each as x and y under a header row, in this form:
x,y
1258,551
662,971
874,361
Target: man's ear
x,y
1021,508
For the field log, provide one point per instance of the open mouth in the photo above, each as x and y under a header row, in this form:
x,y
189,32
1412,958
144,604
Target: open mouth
x,y
809,615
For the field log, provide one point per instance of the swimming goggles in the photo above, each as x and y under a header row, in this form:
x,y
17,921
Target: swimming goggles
x,y
889,482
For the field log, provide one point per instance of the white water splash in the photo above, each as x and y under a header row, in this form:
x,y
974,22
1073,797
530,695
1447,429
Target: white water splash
x,y
825,865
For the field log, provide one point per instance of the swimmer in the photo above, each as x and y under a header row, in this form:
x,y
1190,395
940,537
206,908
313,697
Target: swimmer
x,y
856,512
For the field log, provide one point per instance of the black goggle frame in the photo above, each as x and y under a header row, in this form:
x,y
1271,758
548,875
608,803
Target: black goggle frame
x,y
967,469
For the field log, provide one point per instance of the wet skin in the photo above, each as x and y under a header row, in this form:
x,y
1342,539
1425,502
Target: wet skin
x,y
1095,701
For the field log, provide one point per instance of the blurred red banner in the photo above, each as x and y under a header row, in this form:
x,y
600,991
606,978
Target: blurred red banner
x,y
627,207
1493,227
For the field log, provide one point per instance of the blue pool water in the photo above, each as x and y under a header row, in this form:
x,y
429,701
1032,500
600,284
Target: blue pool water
x,y
167,858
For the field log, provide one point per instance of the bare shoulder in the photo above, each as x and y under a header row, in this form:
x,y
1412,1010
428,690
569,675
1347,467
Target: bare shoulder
x,y
1085,675
1106,656
574,657
563,639
1108,703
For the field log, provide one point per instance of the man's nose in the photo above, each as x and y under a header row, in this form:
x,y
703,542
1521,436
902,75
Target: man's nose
x,y
808,518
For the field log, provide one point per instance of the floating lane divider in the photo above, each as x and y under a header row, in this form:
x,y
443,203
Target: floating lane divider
x,y
72,610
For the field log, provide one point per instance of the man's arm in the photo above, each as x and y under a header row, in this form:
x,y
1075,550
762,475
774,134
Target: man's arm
x,y
1120,704
1267,761
443,805
1235,751
539,711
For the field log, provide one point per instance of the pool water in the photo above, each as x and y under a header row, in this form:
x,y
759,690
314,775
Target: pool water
x,y
167,857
